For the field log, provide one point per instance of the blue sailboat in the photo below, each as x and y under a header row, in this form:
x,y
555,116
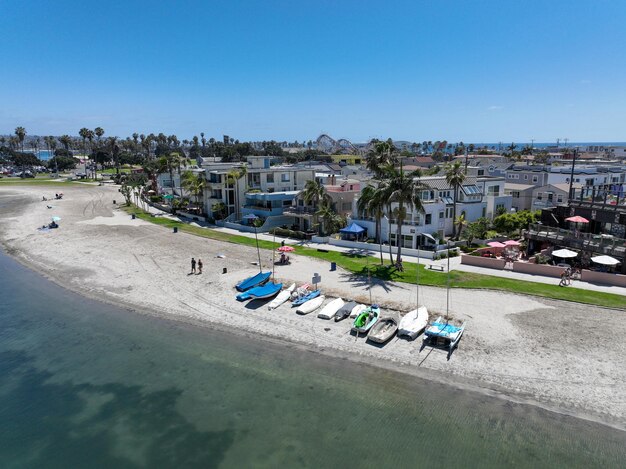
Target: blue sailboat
x,y
307,297
254,281
266,291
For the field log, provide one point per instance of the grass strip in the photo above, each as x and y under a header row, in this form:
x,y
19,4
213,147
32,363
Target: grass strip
x,y
360,264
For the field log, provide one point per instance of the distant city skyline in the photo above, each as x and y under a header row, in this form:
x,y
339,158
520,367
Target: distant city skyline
x,y
480,71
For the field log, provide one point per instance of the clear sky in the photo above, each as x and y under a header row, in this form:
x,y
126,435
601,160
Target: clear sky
x,y
476,71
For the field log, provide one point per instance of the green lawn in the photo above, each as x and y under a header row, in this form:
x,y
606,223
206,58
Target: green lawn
x,y
359,264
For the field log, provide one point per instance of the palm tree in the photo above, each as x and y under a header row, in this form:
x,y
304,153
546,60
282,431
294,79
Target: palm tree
x,y
115,153
331,221
372,202
193,183
402,189
461,223
66,141
315,194
383,155
20,133
232,178
455,176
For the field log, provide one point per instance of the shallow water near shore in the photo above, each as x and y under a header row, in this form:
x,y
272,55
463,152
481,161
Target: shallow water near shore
x,y
84,384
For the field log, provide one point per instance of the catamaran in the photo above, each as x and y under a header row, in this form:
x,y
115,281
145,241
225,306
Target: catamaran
x,y
257,293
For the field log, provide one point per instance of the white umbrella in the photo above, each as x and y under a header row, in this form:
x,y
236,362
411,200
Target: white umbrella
x,y
564,253
605,260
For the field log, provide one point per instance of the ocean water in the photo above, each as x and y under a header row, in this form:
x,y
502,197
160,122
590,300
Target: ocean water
x,y
84,384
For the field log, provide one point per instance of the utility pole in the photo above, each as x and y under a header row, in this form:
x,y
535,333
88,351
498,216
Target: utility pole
x,y
571,177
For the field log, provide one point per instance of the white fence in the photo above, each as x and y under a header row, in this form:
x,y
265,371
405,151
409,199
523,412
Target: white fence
x,y
375,248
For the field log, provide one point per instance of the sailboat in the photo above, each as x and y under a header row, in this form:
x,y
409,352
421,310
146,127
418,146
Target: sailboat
x,y
415,321
364,321
443,334
282,297
257,293
262,277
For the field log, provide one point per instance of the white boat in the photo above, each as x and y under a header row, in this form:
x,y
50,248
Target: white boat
x,y
311,305
282,297
330,309
413,323
358,309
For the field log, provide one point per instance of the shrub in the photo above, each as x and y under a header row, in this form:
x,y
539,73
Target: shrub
x,y
454,253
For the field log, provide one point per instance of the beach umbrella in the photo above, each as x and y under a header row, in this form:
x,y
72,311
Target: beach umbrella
x,y
564,253
286,249
168,196
496,244
56,218
605,260
511,242
577,219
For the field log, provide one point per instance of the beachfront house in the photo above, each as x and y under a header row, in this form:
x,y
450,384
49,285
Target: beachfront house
x,y
476,198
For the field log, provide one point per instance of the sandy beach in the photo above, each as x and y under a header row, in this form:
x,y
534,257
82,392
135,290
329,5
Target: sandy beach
x,y
562,356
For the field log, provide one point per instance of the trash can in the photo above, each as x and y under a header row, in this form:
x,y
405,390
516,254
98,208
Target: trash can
x,y
333,266
133,216
224,270
175,229
114,203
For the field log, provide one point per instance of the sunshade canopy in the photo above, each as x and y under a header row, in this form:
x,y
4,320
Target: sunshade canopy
x,y
577,219
511,242
496,244
564,253
353,228
605,260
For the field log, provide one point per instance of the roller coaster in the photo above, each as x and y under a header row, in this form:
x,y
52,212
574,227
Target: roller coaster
x,y
331,146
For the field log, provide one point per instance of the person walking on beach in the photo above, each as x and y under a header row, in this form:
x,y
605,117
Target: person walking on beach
x,y
568,275
199,266
563,282
193,265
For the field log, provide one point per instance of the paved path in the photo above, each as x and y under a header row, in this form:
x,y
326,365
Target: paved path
x,y
455,262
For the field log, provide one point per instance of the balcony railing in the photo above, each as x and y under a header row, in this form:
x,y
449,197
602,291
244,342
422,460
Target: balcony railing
x,y
299,210
605,244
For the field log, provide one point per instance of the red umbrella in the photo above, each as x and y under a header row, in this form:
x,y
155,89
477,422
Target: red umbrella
x,y
577,219
510,242
496,244
286,249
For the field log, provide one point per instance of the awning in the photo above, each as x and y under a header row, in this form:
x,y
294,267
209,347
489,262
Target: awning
x,y
353,228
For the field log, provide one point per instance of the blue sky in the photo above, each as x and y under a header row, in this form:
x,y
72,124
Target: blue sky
x,y
476,71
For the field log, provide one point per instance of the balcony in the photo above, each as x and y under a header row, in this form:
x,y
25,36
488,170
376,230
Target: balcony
x,y
299,211
602,244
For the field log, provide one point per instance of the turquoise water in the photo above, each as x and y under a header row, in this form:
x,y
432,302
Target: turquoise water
x,y
84,384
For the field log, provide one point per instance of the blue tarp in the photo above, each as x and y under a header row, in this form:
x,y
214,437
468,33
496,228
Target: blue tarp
x,y
352,229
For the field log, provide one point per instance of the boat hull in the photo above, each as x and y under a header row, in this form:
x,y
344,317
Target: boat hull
x,y
282,297
330,309
366,320
311,305
413,323
383,330
254,281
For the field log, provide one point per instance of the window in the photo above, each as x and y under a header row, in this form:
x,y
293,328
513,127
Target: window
x,y
270,178
535,178
284,177
493,191
407,241
559,198
481,172
539,196
526,177
484,212
550,196
515,194
345,206
499,207
429,218
286,203
442,214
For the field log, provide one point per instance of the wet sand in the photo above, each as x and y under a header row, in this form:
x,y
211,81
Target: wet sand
x,y
559,355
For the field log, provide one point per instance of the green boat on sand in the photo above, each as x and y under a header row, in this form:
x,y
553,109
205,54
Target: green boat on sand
x,y
365,320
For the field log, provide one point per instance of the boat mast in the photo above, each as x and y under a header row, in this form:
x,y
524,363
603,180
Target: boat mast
x,y
258,252
448,284
417,274
369,277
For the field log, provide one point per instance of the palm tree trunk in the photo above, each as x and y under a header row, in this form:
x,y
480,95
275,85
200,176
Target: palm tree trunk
x,y
399,233
379,236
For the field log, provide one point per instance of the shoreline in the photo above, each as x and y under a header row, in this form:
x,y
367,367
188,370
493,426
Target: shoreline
x,y
328,348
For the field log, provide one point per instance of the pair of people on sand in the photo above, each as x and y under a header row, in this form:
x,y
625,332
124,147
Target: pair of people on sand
x,y
193,266
566,278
